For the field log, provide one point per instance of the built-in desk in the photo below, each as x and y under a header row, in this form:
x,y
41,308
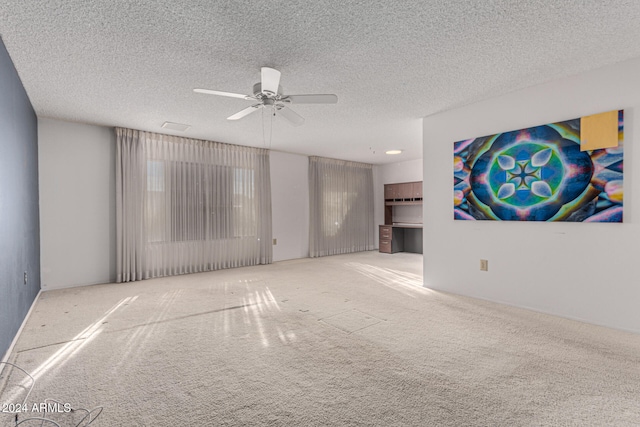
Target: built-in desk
x,y
401,238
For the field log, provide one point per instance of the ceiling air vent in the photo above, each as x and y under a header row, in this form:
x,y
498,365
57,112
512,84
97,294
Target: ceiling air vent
x,y
175,126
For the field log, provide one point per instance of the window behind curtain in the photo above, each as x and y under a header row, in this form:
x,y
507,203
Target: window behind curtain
x,y
189,205
341,206
193,201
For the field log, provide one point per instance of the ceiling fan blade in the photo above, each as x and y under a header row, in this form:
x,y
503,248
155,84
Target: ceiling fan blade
x,y
243,113
295,118
217,92
311,99
270,80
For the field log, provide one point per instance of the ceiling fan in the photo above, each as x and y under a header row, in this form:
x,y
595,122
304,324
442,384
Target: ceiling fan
x,y
268,94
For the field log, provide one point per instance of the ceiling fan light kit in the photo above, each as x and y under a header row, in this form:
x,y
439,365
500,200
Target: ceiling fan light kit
x,y
268,94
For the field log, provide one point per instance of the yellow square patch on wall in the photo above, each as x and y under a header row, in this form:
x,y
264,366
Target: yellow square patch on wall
x,y
599,131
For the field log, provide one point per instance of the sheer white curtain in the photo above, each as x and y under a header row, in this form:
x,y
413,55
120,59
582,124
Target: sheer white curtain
x,y
186,205
341,207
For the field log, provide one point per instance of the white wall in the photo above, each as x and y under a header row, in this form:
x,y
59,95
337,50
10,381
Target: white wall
x,y
407,171
576,270
77,203
290,205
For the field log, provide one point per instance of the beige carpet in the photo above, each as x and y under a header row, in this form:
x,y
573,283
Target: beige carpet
x,y
344,340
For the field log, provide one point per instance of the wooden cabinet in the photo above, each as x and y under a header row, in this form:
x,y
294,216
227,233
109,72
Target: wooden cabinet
x,y
416,190
400,239
390,191
403,192
385,239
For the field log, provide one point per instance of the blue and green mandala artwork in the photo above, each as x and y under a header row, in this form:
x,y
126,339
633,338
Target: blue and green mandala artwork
x,y
538,174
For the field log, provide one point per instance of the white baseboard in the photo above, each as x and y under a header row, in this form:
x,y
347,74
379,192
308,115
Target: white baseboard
x,y
5,358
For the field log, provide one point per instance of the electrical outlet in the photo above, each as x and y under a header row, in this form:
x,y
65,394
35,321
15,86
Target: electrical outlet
x,y
275,241
484,265
25,277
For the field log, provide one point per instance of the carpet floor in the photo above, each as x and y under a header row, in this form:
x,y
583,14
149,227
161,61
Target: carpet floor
x,y
348,340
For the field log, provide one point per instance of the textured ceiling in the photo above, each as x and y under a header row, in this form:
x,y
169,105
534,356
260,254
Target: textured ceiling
x,y
134,64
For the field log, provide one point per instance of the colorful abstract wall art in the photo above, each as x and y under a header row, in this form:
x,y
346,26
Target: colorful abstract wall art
x,y
538,174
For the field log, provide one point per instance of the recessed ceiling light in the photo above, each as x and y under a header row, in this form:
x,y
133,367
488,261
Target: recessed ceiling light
x,y
393,151
175,126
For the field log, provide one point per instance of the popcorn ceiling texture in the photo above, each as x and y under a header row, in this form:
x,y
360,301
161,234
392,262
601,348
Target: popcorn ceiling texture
x,y
134,64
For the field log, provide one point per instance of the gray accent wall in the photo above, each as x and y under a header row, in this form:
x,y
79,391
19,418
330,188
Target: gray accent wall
x,y
19,213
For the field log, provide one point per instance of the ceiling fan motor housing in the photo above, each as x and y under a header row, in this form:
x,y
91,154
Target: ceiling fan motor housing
x,y
257,91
